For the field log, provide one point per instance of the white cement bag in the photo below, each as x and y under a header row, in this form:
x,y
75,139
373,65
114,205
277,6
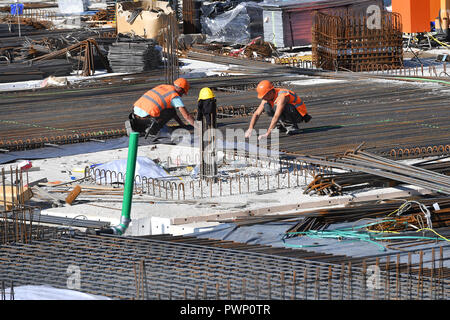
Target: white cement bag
x,y
115,171
72,6
45,292
53,81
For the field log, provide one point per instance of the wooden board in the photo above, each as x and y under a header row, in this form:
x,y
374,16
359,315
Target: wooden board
x,y
24,195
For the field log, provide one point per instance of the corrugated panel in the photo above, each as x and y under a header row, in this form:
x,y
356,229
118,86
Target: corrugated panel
x,y
297,28
273,28
298,24
313,4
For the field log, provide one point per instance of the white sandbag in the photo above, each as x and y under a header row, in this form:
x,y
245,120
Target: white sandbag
x,y
115,171
46,292
72,6
53,81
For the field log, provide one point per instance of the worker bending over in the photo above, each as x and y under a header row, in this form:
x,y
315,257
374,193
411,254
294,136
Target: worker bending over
x,y
157,106
207,107
283,105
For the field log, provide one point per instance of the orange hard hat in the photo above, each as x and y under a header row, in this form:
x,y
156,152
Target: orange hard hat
x,y
263,87
183,84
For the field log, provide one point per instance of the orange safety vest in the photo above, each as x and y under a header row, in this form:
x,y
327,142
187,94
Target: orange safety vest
x,y
157,99
293,99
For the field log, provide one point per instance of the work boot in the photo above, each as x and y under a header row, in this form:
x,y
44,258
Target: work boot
x,y
281,127
307,118
128,127
292,129
148,134
152,130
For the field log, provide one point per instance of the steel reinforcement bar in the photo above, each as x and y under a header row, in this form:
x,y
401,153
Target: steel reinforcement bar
x,y
199,269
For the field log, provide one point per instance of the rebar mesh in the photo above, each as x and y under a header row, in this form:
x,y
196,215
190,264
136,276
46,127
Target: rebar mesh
x,y
345,41
191,268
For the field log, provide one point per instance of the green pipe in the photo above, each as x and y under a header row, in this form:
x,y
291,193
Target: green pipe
x,y
129,184
423,79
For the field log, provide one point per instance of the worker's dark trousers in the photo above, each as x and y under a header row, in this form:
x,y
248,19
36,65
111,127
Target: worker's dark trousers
x,y
208,109
290,114
155,124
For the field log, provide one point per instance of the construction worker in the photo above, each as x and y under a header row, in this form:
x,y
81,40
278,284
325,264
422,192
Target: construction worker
x,y
207,107
283,105
157,106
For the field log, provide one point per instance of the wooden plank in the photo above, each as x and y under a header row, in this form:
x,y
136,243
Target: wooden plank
x,y
14,197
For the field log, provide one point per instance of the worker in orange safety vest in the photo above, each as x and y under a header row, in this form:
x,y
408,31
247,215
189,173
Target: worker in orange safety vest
x,y
157,106
283,105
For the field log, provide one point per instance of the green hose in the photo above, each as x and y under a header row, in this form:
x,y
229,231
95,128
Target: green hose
x,y
129,184
352,234
423,79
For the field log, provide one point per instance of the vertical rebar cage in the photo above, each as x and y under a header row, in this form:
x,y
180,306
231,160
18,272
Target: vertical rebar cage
x,y
348,41
169,43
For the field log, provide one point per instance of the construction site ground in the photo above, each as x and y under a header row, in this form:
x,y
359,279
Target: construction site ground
x,y
155,215
384,114
70,128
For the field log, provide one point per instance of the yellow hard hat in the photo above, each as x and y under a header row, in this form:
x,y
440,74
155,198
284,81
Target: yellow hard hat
x,y
206,93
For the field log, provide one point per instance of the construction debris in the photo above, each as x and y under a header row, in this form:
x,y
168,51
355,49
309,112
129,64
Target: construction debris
x,y
239,24
73,194
87,47
27,24
339,183
24,58
379,166
143,18
259,48
393,214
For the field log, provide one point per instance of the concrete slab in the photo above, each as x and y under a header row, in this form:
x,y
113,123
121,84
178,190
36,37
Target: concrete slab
x,y
156,215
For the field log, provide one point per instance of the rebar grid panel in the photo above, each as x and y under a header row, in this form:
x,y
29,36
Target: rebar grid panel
x,y
23,223
36,15
382,101
414,151
285,174
170,45
16,218
177,270
188,17
52,141
347,42
423,71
